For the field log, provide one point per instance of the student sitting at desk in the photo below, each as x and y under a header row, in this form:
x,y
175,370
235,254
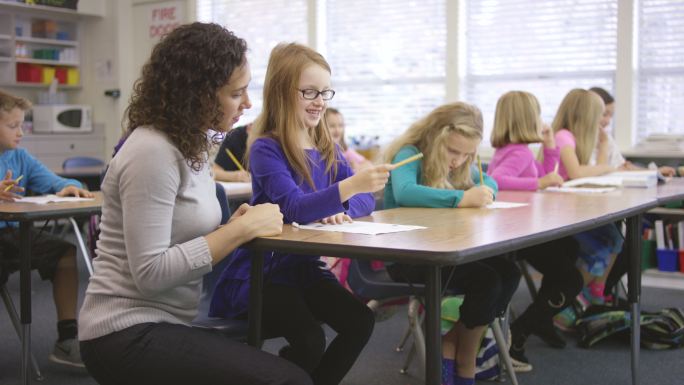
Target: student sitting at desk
x,y
296,165
517,122
54,258
607,151
335,121
449,137
228,164
576,126
160,226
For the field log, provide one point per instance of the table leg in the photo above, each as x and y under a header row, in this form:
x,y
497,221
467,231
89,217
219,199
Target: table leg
x,y
25,299
256,299
433,338
634,289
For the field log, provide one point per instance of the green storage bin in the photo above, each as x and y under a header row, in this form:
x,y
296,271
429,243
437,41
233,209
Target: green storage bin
x,y
648,255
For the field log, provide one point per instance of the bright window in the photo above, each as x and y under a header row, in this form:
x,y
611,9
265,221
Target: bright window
x,y
661,67
545,47
263,24
388,60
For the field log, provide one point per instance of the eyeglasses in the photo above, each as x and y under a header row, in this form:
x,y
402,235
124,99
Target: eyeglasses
x,y
311,94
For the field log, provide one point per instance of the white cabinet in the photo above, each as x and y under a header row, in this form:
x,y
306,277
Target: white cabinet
x,y
53,149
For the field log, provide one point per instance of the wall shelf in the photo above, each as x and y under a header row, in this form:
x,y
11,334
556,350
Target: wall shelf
x,y
68,43
29,46
40,85
45,61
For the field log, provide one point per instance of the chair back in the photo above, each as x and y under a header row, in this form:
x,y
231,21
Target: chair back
x,y
377,284
223,202
82,161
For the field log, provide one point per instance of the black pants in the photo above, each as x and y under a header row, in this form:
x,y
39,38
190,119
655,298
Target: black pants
x,y
297,314
488,286
561,281
163,353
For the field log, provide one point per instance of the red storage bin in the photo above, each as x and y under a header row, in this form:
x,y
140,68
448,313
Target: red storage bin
x,y
29,73
61,75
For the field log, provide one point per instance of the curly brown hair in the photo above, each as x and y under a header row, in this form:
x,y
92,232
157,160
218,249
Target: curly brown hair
x,y
177,92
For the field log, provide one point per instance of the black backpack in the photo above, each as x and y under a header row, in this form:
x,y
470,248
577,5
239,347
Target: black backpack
x,y
659,330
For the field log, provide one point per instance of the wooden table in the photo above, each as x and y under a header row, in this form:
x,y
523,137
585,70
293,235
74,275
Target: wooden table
x,y
459,236
26,214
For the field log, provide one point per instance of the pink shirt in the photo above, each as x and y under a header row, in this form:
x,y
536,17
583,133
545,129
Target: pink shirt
x,y
515,168
353,157
565,138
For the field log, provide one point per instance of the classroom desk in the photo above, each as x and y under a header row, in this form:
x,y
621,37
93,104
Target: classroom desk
x,y
459,236
26,214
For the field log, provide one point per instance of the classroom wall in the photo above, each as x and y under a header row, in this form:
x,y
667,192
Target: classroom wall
x,y
111,60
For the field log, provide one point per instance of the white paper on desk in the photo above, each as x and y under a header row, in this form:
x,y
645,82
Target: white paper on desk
x,y
585,190
237,188
505,205
43,199
595,181
360,227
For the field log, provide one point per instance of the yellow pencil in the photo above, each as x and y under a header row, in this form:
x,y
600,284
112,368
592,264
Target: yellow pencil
x,y
408,160
479,167
13,183
234,159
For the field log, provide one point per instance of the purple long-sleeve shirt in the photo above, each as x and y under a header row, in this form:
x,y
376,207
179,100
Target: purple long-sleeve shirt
x,y
515,168
275,181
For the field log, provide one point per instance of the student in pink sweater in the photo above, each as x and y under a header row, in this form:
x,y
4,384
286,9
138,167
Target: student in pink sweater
x,y
517,122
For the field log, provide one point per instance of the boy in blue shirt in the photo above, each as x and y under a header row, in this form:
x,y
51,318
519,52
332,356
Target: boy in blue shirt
x,y
54,258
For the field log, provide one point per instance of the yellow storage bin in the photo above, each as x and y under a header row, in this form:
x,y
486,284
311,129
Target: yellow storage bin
x,y
73,77
48,74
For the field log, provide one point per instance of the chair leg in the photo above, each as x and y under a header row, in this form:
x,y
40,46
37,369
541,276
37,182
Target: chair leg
x,y
409,358
416,325
14,317
524,269
404,338
82,246
503,349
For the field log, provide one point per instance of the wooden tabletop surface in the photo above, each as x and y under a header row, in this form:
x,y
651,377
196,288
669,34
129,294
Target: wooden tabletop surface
x,y
17,211
458,235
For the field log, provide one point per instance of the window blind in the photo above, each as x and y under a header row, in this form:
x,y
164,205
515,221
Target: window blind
x,y
661,67
263,24
388,62
545,47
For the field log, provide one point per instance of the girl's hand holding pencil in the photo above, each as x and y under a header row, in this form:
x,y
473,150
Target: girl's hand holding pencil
x,y
371,179
477,196
551,179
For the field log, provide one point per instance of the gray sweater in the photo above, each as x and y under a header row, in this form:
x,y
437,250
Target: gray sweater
x,y
152,253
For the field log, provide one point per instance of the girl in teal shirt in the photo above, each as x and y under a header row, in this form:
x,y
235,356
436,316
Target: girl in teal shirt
x,y
448,137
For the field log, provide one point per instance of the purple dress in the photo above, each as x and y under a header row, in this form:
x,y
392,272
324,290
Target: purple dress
x,y
274,181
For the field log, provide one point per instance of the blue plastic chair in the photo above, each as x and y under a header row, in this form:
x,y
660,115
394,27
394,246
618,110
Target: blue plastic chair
x,y
82,161
231,328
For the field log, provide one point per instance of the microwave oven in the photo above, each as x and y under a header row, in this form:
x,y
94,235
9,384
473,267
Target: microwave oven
x,y
62,119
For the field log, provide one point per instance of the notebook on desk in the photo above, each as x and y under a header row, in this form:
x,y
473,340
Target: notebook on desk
x,y
639,178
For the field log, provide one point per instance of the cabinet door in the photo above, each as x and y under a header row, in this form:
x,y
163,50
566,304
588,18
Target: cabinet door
x,y
52,150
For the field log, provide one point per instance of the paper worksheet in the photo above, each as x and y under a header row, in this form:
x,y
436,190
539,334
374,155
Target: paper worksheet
x,y
504,205
584,190
43,199
360,227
